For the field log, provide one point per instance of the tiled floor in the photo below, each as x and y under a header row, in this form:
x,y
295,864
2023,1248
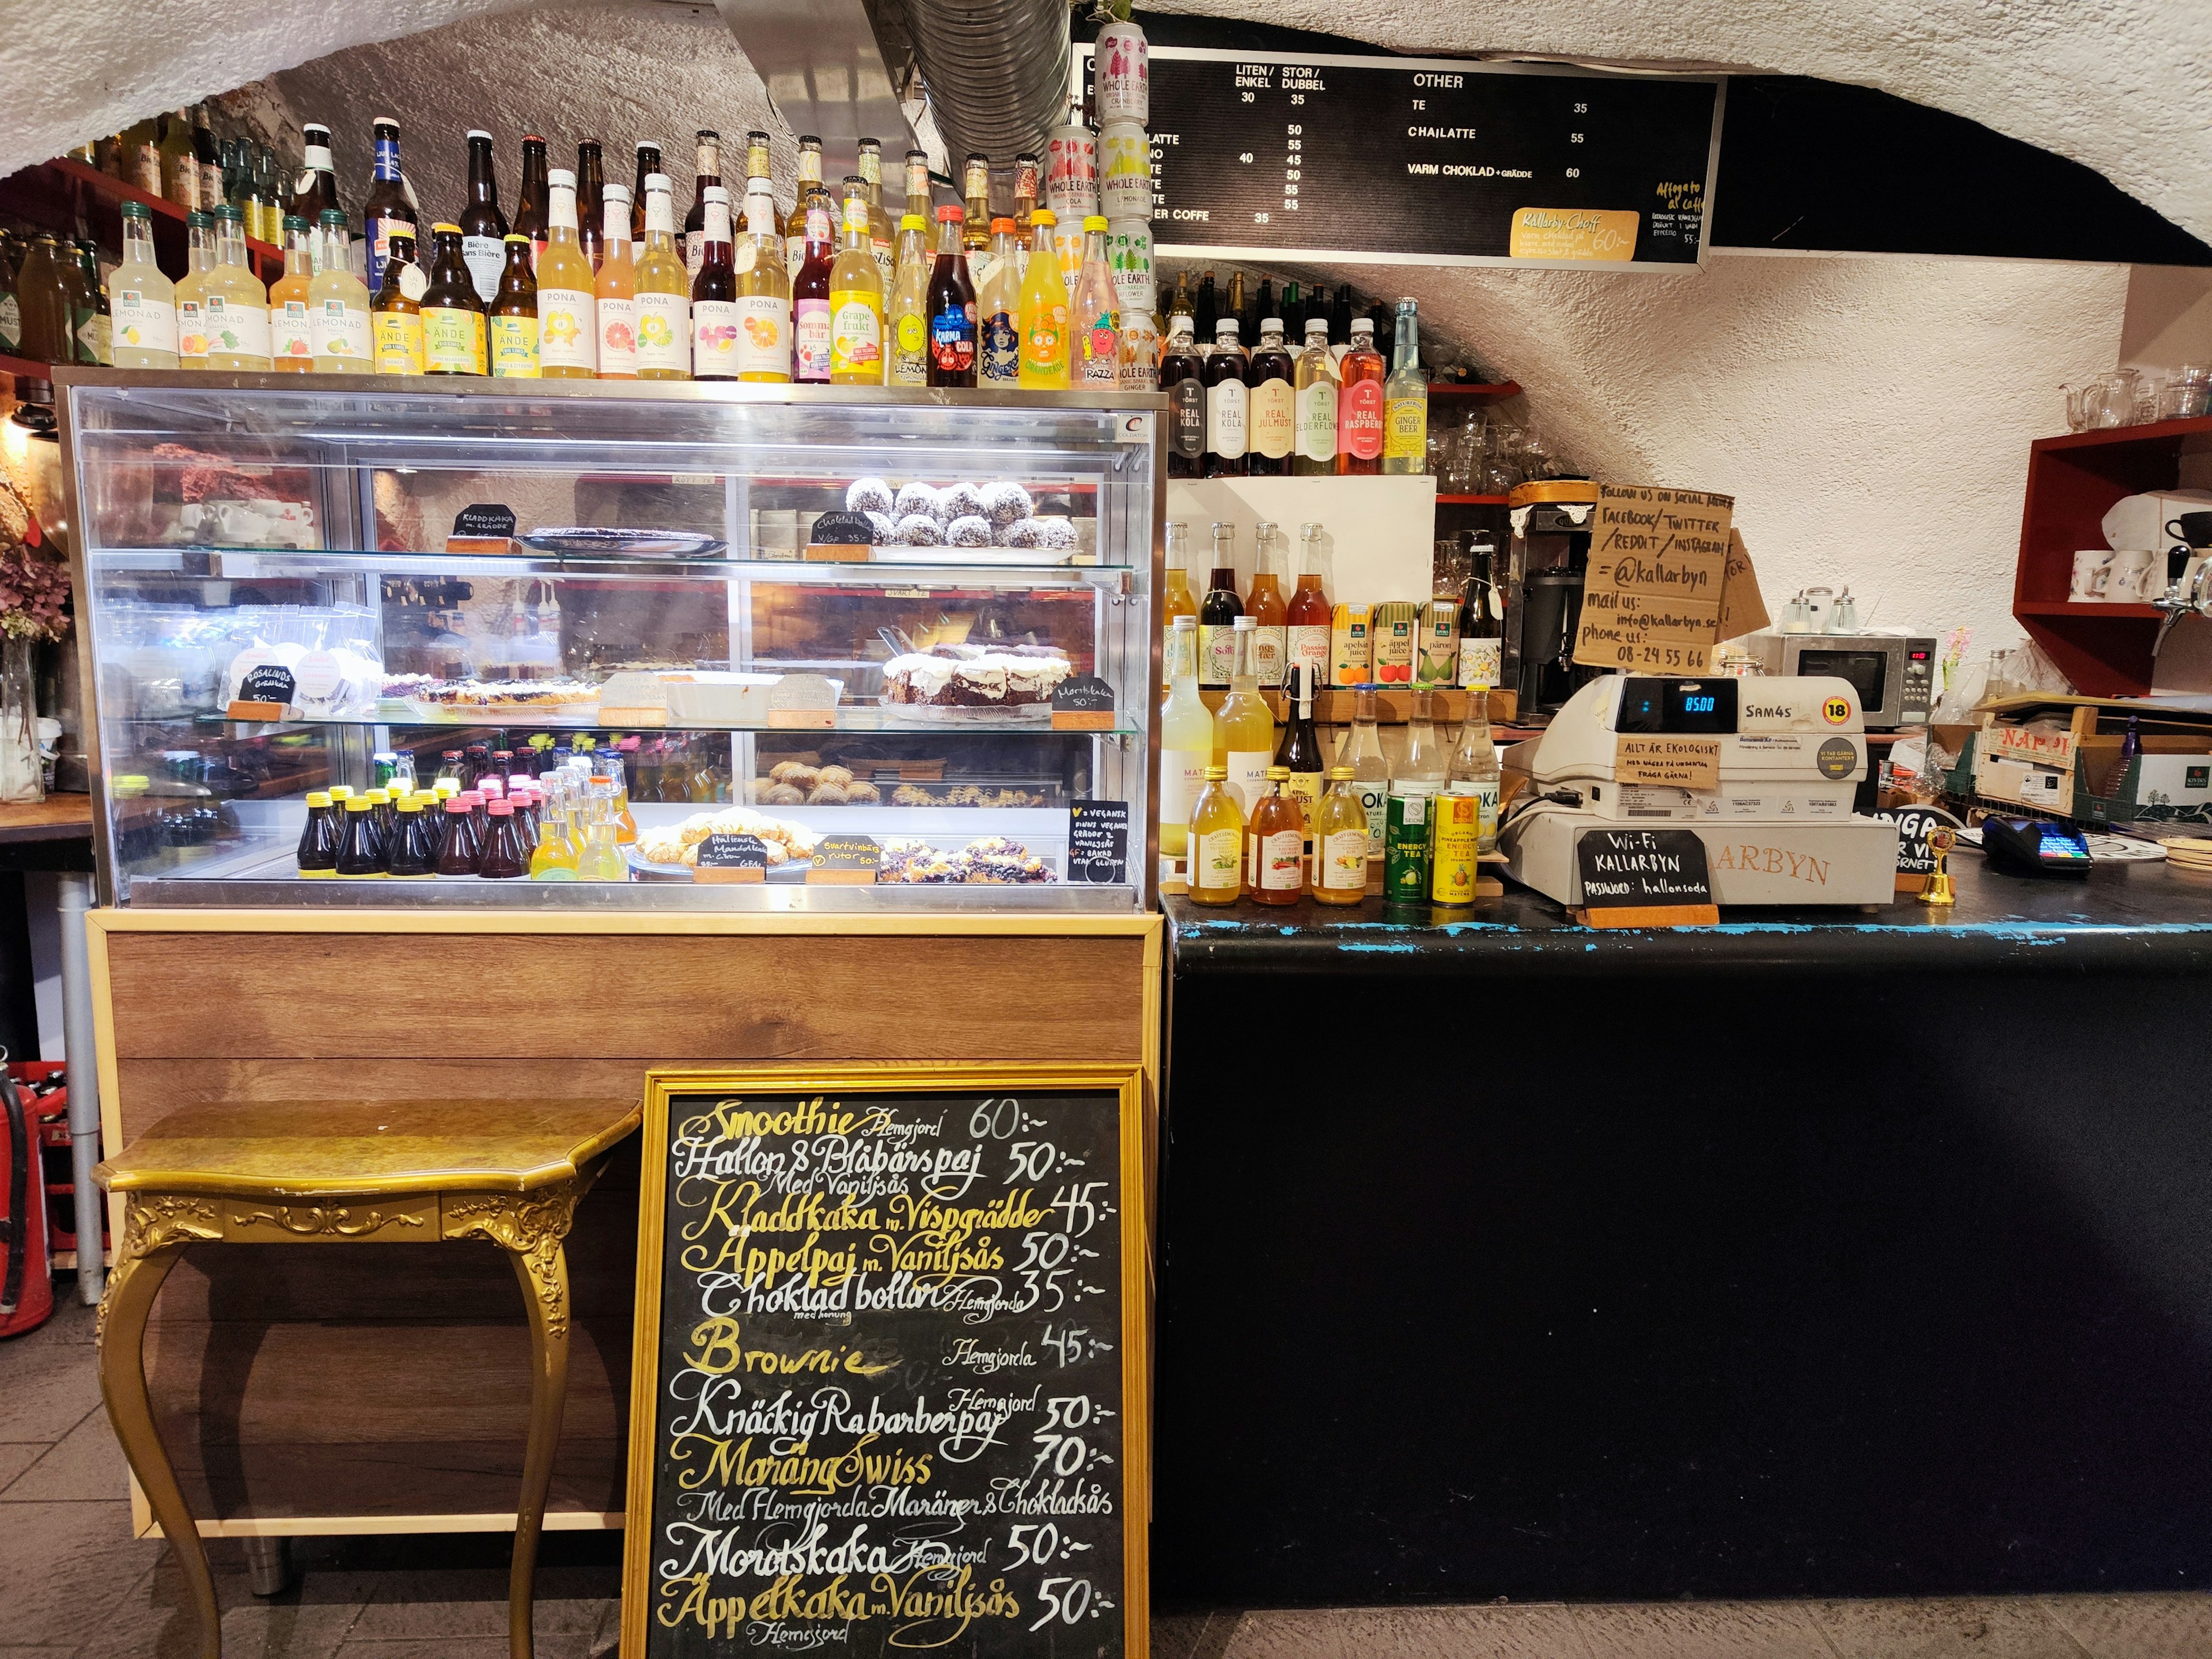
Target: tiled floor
x,y
74,1584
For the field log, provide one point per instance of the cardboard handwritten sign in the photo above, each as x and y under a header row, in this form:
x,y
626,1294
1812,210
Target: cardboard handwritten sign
x,y
1658,561
1668,763
727,858
1743,607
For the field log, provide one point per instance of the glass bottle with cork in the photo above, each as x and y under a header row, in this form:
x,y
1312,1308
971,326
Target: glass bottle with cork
x,y
1481,617
1217,613
1300,751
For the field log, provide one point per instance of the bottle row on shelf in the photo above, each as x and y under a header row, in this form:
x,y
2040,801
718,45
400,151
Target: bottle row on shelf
x,y
1453,638
1223,772
570,823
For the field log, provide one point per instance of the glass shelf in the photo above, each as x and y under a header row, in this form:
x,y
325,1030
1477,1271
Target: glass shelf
x,y
874,722
241,564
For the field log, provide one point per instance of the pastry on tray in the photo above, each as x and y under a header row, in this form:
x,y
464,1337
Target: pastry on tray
x,y
991,679
549,696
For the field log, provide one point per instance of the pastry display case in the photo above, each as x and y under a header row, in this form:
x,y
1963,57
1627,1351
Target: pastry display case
x,y
676,646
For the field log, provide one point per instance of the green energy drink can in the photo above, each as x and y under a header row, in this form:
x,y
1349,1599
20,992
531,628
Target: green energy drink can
x,y
1406,816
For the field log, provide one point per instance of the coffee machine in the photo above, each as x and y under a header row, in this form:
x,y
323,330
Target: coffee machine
x,y
1552,520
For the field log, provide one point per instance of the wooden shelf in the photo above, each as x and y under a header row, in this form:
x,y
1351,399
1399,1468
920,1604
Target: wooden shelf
x,y
2092,609
1473,391
1394,706
54,195
1470,501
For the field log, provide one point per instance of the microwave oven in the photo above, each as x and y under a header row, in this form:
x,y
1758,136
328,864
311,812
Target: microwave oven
x,y
1894,674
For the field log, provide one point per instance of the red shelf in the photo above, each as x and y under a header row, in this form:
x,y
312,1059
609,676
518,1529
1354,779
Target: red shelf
x,y
1470,501
1449,391
2072,480
52,195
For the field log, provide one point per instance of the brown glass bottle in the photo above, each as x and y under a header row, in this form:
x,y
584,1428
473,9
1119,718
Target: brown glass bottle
x,y
482,222
457,851
708,166
387,211
511,319
591,201
952,307
648,163
532,199
1182,377
453,344
506,854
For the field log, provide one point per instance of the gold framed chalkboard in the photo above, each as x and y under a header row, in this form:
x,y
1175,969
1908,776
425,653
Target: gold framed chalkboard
x,y
889,1378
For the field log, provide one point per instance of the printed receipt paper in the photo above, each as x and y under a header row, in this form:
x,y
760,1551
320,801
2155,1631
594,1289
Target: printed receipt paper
x,y
1669,580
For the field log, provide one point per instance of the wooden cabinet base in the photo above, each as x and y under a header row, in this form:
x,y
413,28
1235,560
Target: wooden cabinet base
x,y
382,1388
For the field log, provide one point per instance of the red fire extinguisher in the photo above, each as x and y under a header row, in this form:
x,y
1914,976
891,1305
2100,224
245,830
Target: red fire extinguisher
x,y
26,1285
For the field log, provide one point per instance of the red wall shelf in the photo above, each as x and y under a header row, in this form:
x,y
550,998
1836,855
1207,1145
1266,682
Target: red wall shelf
x,y
2072,482
1471,392
55,195
1470,501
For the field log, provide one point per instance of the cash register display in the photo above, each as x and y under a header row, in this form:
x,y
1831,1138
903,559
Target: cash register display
x,y
1689,708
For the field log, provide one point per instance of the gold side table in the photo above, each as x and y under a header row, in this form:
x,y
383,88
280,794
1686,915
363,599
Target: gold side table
x,y
290,1172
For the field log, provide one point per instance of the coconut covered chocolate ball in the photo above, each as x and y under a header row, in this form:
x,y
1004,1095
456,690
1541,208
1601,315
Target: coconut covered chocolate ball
x,y
1020,533
918,499
963,501
868,496
885,528
973,530
1055,534
920,530
1007,504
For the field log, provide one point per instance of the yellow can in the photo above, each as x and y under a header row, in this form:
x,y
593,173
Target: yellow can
x,y
1455,842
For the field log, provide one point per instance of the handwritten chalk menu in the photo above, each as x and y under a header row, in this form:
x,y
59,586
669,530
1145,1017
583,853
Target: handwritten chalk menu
x,y
890,1369
1658,559
1407,161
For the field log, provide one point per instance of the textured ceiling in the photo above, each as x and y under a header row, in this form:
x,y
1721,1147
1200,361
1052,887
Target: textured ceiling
x,y
2117,84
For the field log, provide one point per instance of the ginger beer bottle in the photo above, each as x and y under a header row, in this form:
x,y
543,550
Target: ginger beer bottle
x,y
568,298
1406,400
663,291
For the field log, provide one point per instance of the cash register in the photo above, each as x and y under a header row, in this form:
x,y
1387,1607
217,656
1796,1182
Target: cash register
x,y
1773,763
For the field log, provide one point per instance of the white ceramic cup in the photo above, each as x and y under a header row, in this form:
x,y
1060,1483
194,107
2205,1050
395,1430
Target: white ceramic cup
x,y
2092,572
2130,583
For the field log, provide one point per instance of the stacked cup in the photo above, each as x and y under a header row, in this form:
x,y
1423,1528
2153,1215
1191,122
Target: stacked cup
x,y
1122,95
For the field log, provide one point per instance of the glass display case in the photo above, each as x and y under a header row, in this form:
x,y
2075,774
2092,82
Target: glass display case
x,y
717,647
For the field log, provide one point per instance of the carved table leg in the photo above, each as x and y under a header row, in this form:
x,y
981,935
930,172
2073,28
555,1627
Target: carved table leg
x,y
531,1228
155,1230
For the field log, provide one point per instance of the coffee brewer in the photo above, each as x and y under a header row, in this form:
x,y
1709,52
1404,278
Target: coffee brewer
x,y
1551,520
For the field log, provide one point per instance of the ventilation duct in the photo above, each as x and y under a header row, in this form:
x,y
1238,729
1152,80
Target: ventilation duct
x,y
996,70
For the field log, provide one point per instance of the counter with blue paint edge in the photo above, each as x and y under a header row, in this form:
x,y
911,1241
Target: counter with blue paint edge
x,y
2132,917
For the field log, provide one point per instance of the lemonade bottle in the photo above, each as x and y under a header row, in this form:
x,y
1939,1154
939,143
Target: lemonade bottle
x,y
1339,841
856,304
291,347
1044,312
191,309
337,304
237,305
663,292
909,318
143,301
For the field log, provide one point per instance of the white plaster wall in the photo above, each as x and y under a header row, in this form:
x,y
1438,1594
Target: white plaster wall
x,y
1871,415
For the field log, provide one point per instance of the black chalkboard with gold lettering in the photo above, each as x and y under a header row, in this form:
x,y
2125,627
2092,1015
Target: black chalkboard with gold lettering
x,y
888,1392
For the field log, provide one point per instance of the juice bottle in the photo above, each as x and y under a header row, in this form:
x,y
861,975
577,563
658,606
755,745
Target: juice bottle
x,y
1175,598
615,293
1314,394
361,851
763,292
999,311
612,778
1228,405
717,319
506,854
1300,753
1360,405
237,305
291,345
1361,754
318,852
512,324
856,303
1275,843
1217,613
1308,617
457,847
453,316
1274,402
810,286
951,307
882,234
1243,729
143,300
1264,604
602,859
1186,738
909,318
337,303
664,291
1339,841
1406,399
554,859
395,315
415,848
567,297
1098,314
1217,837
191,314
1044,313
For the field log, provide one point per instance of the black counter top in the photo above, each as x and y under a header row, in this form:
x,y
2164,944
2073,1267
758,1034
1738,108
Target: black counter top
x,y
2121,917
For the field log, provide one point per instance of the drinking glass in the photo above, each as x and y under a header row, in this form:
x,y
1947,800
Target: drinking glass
x,y
1463,468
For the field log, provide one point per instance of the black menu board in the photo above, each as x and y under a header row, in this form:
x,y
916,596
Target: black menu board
x,y
1407,161
889,1384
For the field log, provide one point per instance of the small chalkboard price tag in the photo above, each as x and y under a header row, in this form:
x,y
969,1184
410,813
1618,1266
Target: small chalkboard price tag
x,y
1099,842
1083,702
1915,857
265,692
731,858
844,861
483,527
1644,878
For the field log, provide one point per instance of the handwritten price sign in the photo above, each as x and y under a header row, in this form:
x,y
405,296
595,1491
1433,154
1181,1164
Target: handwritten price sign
x,y
1658,561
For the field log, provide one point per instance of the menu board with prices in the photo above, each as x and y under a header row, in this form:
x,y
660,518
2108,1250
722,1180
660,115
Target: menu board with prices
x,y
1408,160
889,1381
